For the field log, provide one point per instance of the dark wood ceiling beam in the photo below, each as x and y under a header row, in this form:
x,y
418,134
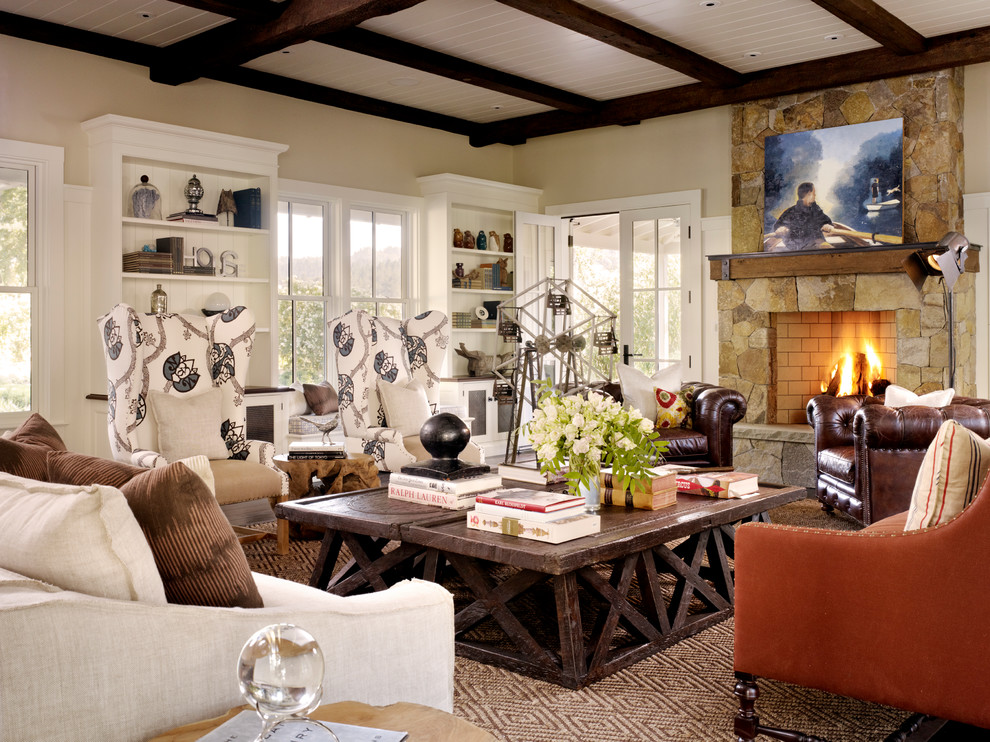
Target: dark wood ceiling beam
x,y
306,91
628,38
950,50
426,60
878,23
241,41
260,11
45,32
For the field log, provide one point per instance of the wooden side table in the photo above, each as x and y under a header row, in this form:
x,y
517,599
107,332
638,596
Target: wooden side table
x,y
357,472
424,724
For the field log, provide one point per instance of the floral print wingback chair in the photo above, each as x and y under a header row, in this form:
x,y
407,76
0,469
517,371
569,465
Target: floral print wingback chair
x,y
406,354
176,389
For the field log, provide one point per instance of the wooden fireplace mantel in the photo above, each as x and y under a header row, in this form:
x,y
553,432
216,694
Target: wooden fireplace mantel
x,y
828,262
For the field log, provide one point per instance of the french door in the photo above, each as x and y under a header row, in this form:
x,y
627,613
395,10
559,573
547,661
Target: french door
x,y
645,267
660,283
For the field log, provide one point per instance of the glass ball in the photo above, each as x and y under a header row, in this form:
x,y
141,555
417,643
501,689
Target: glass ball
x,y
280,672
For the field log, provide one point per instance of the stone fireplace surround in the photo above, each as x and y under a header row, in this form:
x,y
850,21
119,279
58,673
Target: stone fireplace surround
x,y
858,279
931,105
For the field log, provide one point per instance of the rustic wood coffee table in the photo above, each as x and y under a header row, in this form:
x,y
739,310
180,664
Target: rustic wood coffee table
x,y
568,613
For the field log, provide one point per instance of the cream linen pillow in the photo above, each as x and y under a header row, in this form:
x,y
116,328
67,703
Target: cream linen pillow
x,y
898,396
406,406
951,474
201,465
638,389
84,539
189,426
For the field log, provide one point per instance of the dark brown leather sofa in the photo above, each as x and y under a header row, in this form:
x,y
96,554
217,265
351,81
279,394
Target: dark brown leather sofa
x,y
867,455
716,409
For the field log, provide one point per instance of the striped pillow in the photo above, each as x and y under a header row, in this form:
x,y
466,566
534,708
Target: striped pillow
x,y
953,469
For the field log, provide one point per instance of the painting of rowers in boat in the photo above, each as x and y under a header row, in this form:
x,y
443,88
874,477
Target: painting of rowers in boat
x,y
834,188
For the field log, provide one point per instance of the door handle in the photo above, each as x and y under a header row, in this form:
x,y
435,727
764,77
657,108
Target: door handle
x,y
626,355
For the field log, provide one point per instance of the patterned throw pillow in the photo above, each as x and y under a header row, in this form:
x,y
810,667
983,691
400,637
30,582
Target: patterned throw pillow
x,y
951,474
689,393
672,408
197,554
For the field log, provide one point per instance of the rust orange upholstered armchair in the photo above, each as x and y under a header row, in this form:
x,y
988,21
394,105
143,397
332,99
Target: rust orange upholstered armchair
x,y
882,615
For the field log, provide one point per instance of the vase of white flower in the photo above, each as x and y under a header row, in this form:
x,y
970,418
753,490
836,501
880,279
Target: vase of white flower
x,y
586,432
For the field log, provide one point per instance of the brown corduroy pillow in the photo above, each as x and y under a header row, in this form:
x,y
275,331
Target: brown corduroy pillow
x,y
37,431
24,451
198,556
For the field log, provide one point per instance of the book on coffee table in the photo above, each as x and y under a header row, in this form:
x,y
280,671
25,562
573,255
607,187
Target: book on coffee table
x,y
565,528
721,485
518,498
246,725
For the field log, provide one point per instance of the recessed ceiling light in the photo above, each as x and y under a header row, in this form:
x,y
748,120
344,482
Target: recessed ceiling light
x,y
497,107
751,55
710,3
404,82
833,37
145,15
286,51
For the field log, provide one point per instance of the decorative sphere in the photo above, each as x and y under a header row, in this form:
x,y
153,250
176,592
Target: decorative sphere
x,y
444,435
280,671
216,303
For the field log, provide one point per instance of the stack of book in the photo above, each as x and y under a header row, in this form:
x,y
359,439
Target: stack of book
x,y
659,491
529,471
452,494
551,517
723,485
316,450
147,262
187,216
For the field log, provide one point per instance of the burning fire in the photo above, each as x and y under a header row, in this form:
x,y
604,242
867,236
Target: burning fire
x,y
853,373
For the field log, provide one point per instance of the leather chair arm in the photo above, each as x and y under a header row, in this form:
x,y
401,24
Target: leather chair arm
x,y
897,611
716,409
832,418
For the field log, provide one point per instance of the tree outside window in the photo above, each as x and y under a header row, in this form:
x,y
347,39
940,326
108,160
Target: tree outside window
x,y
16,292
377,263
302,292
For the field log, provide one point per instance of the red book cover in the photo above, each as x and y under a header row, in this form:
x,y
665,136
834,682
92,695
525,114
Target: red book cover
x,y
523,499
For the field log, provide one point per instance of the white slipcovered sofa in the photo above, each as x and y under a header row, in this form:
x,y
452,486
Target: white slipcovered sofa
x,y
124,607
75,667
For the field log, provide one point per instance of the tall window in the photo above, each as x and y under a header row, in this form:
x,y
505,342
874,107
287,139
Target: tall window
x,y
303,294
18,291
31,280
378,266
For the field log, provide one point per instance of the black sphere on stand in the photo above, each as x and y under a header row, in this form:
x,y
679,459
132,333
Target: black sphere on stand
x,y
444,436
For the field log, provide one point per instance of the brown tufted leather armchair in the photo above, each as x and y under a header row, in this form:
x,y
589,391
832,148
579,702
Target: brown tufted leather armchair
x,y
708,442
867,455
896,618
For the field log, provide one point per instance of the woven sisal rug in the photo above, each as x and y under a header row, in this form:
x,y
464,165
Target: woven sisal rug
x,y
683,694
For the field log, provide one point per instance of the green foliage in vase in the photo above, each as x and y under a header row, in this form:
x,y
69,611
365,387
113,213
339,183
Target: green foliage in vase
x,y
585,433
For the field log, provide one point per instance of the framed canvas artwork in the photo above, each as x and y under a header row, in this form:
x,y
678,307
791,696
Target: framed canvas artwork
x,y
834,188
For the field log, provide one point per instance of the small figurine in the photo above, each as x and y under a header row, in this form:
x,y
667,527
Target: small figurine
x,y
458,238
507,242
474,275
503,273
459,271
493,242
482,241
468,240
